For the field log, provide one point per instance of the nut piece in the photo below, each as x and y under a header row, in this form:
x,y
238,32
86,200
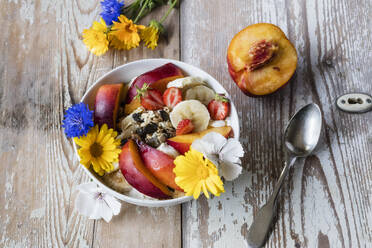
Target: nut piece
x,y
260,53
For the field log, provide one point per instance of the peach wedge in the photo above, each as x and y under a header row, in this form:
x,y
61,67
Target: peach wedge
x,y
107,102
137,175
182,143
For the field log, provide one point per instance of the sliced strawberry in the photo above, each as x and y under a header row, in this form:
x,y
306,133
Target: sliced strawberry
x,y
151,99
172,96
185,126
219,107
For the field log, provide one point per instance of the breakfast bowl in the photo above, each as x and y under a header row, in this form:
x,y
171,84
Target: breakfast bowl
x,y
125,74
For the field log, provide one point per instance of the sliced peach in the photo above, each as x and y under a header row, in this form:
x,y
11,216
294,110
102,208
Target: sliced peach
x,y
159,77
137,175
160,164
161,84
261,59
133,105
108,99
182,143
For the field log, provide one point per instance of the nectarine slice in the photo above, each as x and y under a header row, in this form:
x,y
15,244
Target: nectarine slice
x,y
261,59
107,103
161,84
160,164
182,143
133,105
138,176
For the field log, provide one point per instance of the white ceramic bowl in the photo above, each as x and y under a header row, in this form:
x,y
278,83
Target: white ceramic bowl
x,y
125,73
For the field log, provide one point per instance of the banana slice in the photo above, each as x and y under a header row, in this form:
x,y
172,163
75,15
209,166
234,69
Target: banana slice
x,y
186,82
201,93
193,110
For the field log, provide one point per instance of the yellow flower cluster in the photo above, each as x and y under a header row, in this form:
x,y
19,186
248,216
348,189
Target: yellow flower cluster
x,y
195,173
122,35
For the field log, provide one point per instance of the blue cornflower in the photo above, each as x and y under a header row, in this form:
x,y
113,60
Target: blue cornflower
x,y
78,120
111,9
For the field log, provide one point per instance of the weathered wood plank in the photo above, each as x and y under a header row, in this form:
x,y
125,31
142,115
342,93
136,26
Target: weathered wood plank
x,y
38,168
44,69
326,202
142,226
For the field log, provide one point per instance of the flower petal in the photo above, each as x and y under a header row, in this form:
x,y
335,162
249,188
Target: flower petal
x,y
83,142
217,139
230,171
210,145
213,158
211,186
197,190
84,203
100,136
113,203
88,188
203,147
96,211
105,211
232,151
205,190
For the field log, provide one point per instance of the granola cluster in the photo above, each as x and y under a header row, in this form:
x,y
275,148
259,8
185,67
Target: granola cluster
x,y
151,126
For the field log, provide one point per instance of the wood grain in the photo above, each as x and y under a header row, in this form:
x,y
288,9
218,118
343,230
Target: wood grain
x,y
141,226
326,202
45,68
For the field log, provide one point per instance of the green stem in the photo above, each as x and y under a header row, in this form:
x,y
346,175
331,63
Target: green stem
x,y
130,10
168,11
141,11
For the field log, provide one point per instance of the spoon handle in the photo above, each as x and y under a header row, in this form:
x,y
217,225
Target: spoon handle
x,y
260,227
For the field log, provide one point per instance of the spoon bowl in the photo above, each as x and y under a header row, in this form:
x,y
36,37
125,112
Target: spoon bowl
x,y
303,131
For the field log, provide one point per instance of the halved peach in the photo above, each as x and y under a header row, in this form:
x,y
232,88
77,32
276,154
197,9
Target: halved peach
x,y
106,105
182,143
137,175
261,59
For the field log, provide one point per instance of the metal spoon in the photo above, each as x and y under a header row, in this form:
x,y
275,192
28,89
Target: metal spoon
x,y
301,137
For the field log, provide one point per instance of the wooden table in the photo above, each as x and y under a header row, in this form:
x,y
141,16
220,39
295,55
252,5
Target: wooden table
x,y
44,68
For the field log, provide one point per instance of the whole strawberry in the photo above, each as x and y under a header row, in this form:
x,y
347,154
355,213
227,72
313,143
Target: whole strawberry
x,y
219,107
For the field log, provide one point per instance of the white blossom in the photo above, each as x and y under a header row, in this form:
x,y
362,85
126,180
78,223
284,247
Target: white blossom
x,y
222,152
96,203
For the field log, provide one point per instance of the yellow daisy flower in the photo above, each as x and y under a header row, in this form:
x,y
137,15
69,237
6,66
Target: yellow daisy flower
x,y
99,148
150,35
127,32
195,173
117,44
95,38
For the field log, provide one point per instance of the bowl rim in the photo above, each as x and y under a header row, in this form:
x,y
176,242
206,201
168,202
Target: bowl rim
x,y
150,202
